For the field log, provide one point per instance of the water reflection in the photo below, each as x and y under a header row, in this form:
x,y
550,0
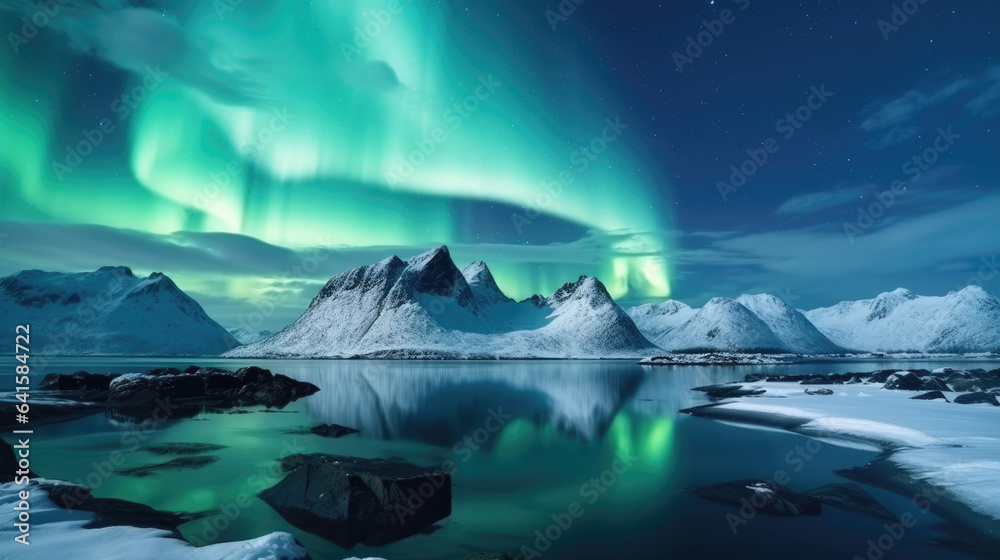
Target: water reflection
x,y
439,403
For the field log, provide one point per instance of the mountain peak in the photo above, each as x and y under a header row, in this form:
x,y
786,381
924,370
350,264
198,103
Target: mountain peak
x,y
585,287
885,303
120,271
435,255
483,285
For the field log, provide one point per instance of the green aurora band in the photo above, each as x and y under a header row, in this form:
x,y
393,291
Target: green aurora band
x,y
354,123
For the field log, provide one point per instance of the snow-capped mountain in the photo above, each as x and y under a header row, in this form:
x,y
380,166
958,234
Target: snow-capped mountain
x,y
427,307
791,327
900,321
245,336
751,323
109,312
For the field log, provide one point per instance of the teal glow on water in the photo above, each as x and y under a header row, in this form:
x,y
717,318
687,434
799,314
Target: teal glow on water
x,y
568,424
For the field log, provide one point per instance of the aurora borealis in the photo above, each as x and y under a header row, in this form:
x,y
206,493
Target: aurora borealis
x,y
343,124
224,142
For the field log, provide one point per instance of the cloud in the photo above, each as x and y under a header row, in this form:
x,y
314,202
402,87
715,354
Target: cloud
x,y
896,135
821,266
813,202
985,104
136,39
902,109
894,120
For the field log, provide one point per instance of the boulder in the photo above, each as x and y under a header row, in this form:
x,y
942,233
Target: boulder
x,y
977,398
903,381
350,501
933,395
965,384
332,430
931,383
823,391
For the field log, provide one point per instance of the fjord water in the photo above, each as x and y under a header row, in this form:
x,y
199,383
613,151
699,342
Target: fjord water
x,y
528,439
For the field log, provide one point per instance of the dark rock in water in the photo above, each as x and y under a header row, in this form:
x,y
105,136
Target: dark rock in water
x,y
819,391
817,380
8,463
930,383
182,448
729,391
180,464
764,496
332,430
904,381
977,398
113,512
79,381
931,396
965,384
852,497
349,501
189,391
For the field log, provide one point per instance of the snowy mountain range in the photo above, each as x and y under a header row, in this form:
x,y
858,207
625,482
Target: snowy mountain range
x,y
246,336
108,312
425,307
750,323
965,321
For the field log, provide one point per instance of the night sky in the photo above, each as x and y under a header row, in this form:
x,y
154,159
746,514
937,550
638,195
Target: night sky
x,y
251,153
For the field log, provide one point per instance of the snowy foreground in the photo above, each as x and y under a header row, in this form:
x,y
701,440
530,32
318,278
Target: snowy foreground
x,y
954,448
56,531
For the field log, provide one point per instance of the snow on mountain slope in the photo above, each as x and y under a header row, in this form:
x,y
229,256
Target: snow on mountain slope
x,y
483,285
245,336
900,321
723,325
426,307
750,323
109,312
791,326
657,321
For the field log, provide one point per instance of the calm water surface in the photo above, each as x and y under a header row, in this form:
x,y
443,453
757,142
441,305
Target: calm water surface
x,y
564,425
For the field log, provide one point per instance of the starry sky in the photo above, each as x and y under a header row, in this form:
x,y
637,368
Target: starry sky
x,y
251,149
